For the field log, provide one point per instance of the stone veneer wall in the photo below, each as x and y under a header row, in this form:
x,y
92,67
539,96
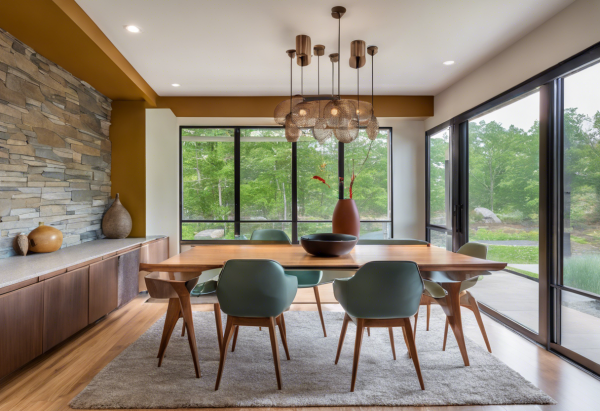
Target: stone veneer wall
x,y
55,153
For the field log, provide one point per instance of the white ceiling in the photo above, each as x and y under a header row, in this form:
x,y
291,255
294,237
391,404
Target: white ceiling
x,y
237,48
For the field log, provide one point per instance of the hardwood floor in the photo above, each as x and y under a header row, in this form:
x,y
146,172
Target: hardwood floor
x,y
52,380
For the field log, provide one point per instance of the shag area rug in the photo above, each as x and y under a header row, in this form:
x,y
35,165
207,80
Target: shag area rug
x,y
310,378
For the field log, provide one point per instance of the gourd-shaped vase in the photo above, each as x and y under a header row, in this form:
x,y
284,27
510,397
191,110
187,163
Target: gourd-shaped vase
x,y
45,239
116,222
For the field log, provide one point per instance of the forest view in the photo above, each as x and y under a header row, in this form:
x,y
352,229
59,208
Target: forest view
x,y
208,178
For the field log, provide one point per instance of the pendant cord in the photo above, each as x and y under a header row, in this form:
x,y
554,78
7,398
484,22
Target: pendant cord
x,y
318,75
302,80
291,82
339,52
372,81
332,78
358,93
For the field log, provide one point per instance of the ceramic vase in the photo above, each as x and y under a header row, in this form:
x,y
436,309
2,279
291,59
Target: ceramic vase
x,y
345,218
116,223
45,239
21,244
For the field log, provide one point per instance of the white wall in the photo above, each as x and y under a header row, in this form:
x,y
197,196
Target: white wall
x,y
162,176
162,170
567,33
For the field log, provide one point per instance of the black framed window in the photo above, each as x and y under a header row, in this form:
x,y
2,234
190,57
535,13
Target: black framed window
x,y
235,180
439,187
540,145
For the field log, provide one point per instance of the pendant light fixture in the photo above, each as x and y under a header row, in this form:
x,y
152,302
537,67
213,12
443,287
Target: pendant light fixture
x,y
323,115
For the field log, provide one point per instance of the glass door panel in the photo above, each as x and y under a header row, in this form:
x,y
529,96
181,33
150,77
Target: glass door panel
x,y
580,311
503,211
440,189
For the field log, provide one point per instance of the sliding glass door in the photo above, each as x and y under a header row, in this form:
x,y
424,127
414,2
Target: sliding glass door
x,y
503,205
578,285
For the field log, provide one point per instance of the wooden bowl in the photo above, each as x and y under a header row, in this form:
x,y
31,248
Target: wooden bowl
x,y
328,244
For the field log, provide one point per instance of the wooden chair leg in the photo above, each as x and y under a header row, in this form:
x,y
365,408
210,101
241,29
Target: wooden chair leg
x,y
219,322
183,329
360,328
445,334
283,339
413,349
391,330
283,325
235,335
226,339
275,348
342,336
186,307
416,318
428,315
369,331
316,289
475,308
173,314
406,342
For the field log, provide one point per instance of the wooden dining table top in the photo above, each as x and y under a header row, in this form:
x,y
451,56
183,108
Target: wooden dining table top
x,y
428,258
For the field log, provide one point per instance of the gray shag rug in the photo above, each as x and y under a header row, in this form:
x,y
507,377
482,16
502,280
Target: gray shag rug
x,y
310,378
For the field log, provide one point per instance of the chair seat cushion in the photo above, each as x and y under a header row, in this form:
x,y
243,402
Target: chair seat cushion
x,y
433,289
306,278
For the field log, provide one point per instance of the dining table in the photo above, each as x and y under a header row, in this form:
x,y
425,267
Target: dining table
x,y
436,264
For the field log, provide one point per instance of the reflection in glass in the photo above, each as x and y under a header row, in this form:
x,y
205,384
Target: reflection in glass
x,y
265,175
440,239
504,205
580,325
208,174
439,178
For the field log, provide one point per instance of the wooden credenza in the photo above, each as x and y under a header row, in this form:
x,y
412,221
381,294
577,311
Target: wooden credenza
x,y
38,314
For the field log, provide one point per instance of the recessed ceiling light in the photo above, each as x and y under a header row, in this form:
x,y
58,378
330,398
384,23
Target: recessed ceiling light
x,y
448,63
132,29
176,85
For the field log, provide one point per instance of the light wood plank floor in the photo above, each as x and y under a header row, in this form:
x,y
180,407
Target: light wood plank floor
x,y
51,381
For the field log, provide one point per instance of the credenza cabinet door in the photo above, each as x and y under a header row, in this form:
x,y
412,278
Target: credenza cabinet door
x,y
21,317
65,306
104,291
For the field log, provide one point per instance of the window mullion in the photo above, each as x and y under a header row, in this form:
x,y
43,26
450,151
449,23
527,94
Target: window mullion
x,y
237,182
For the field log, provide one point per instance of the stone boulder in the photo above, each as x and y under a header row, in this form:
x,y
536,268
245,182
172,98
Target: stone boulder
x,y
211,234
488,215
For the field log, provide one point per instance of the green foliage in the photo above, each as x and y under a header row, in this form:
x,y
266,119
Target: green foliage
x,y
265,179
439,146
514,254
483,234
581,272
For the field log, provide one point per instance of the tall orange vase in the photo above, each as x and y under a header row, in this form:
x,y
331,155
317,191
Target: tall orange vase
x,y
345,218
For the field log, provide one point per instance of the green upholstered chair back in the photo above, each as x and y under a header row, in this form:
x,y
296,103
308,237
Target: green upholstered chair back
x,y
270,235
255,288
381,289
394,241
475,250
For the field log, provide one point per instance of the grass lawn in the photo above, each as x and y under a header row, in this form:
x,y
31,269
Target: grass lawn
x,y
524,272
515,254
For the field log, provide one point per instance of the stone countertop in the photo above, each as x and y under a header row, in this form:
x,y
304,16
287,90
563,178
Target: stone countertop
x,y
18,268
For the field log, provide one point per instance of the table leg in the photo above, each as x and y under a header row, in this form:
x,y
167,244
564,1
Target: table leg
x,y
454,317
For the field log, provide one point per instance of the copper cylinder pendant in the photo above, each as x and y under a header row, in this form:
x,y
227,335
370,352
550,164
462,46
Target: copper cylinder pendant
x,y
357,54
303,50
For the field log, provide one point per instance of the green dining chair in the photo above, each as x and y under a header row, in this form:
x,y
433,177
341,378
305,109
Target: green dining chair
x,y
306,278
434,291
382,294
255,293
